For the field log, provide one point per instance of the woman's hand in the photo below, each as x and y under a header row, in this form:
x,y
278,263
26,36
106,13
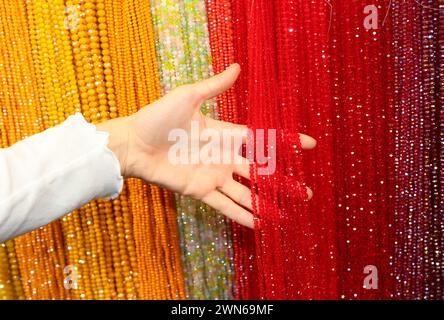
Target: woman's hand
x,y
142,145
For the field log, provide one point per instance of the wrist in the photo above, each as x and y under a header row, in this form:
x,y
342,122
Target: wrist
x,y
118,140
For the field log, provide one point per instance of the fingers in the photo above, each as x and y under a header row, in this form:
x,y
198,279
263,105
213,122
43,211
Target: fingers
x,y
238,192
307,142
223,125
309,193
242,169
219,83
227,207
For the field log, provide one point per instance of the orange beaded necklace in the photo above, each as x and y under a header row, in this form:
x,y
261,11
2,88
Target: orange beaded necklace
x,y
136,81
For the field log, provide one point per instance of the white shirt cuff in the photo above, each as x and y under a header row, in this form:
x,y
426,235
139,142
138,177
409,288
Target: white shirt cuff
x,y
54,172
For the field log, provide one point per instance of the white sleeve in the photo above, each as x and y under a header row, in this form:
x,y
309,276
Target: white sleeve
x,y
54,172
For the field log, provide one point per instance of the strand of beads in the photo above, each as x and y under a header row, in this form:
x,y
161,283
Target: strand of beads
x,y
9,97
126,102
308,247
220,30
10,280
362,109
52,57
6,287
437,153
95,284
53,62
87,36
26,119
126,269
164,224
222,51
14,271
418,259
243,239
136,84
309,76
47,54
404,142
183,55
212,229
125,274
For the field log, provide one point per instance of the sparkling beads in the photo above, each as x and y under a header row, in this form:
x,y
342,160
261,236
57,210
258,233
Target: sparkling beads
x,y
370,95
419,221
57,58
136,80
183,53
357,90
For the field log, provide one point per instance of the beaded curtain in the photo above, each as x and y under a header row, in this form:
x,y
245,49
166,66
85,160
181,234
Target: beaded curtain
x,y
362,77
365,79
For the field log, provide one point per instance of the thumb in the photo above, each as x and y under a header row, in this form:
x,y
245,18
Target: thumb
x,y
219,83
